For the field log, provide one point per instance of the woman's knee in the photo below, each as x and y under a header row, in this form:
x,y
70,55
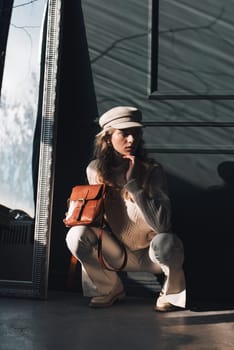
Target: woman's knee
x,y
167,248
80,240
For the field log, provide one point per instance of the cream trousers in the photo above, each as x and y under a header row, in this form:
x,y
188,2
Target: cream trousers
x,y
164,255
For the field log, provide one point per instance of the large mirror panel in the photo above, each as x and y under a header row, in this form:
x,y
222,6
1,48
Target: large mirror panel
x,y
27,136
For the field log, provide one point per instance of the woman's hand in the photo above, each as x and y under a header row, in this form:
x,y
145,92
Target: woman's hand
x,y
131,172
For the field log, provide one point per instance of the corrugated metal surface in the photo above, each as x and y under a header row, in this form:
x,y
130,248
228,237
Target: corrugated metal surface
x,y
195,57
196,47
117,33
193,139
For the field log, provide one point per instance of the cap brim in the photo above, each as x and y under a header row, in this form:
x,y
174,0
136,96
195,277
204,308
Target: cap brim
x,y
126,125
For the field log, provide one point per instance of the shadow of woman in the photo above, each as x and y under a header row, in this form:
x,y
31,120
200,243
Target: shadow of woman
x,y
219,223
203,218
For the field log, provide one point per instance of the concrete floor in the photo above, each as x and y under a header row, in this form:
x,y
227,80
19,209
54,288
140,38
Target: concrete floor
x,y
65,322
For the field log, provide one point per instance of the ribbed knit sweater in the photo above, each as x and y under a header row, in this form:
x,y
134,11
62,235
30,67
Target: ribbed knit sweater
x,y
138,217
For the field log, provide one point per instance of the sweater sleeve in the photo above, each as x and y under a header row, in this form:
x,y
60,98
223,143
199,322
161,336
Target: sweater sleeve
x,y
152,199
91,173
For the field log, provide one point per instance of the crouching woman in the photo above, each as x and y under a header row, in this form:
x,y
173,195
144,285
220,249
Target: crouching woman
x,y
137,215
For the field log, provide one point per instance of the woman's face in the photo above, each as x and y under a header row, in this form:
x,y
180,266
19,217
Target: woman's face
x,y
126,141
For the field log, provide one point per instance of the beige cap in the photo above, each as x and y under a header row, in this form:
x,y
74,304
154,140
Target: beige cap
x,y
121,117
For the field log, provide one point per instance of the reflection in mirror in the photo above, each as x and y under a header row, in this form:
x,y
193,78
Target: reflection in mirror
x,y
20,257
19,97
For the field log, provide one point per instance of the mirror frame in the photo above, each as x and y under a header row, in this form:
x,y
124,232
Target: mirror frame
x,y
38,286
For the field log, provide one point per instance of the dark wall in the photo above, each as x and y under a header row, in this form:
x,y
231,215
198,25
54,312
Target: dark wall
x,y
191,134
204,220
77,110
186,96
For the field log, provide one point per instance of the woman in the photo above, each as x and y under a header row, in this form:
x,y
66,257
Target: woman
x,y
137,213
